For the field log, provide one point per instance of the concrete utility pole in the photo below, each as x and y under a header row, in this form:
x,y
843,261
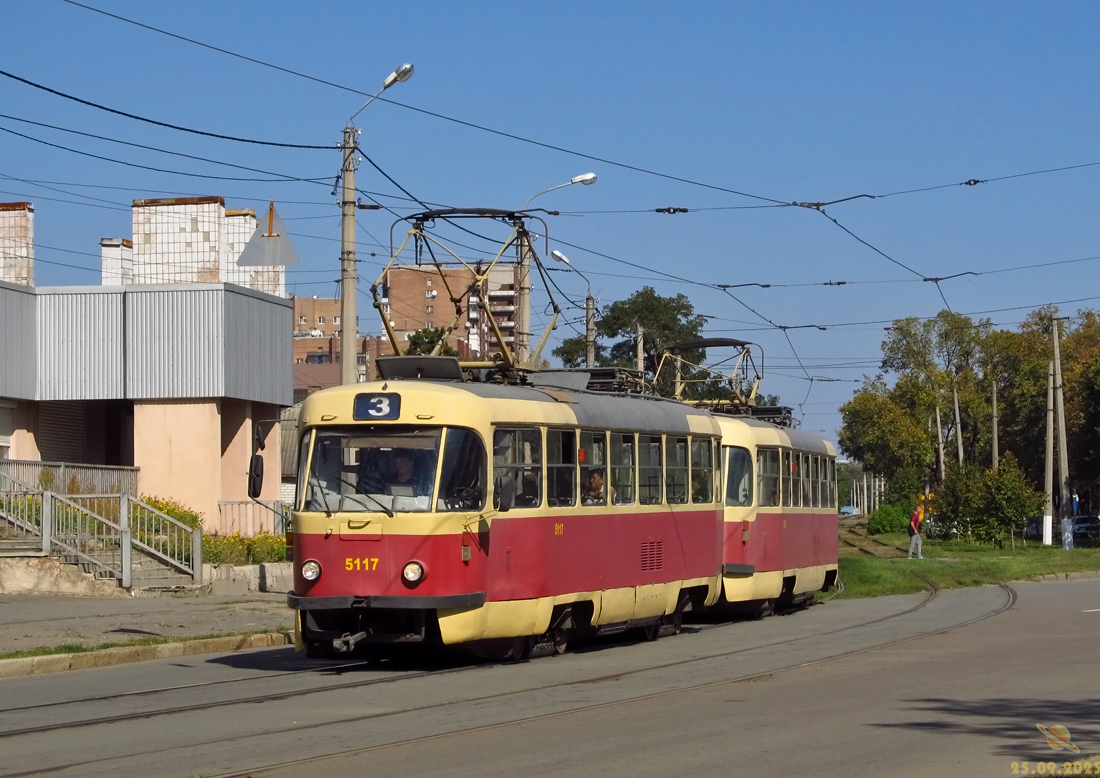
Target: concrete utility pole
x,y
939,440
995,447
1065,507
1048,483
958,423
639,350
590,330
349,273
522,346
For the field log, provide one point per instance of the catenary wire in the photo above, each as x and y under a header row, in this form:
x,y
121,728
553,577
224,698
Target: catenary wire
x,y
158,123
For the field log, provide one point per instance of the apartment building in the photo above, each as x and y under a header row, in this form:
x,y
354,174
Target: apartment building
x,y
17,243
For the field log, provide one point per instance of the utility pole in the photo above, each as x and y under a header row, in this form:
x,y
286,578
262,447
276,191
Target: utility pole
x,y
995,447
590,330
1065,509
939,440
678,385
639,349
349,322
958,423
1048,483
349,274
523,299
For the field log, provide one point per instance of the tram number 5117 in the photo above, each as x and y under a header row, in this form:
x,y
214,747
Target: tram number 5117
x,y
364,563
559,529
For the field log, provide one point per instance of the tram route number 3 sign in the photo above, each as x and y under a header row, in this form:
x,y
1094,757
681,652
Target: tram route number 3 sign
x,y
384,406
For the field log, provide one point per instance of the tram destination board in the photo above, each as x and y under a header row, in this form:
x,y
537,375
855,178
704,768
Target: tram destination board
x,y
376,406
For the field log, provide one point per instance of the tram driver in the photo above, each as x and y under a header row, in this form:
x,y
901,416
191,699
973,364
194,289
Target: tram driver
x,y
595,492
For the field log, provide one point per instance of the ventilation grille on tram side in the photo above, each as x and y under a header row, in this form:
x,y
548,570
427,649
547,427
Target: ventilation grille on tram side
x,y
653,555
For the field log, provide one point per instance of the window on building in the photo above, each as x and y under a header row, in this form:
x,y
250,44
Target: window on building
x,y
517,454
430,325
649,469
429,281
302,320
429,309
561,467
738,477
320,319
335,319
7,428
676,470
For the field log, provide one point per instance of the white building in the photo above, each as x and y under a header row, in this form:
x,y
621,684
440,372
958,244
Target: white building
x,y
192,240
17,243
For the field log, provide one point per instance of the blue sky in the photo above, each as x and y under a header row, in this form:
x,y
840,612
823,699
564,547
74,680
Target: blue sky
x,y
803,102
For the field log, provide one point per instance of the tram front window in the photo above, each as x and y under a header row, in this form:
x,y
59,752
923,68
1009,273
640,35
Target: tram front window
x,y
373,469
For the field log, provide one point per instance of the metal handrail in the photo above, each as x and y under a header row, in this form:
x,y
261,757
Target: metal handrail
x,y
164,537
86,535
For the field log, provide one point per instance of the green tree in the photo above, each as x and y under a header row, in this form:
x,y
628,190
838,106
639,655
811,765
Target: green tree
x,y
425,340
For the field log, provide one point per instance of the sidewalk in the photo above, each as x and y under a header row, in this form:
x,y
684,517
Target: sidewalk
x,y
30,621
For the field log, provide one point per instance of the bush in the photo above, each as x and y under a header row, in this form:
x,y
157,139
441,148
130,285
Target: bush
x,y
889,518
175,509
237,550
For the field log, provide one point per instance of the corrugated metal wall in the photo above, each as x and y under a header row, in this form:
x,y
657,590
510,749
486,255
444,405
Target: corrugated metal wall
x,y
17,342
175,340
259,327
145,342
80,348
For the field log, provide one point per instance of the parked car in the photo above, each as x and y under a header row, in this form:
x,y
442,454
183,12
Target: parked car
x,y
848,510
1086,530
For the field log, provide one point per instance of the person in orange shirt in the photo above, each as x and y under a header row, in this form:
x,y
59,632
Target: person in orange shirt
x,y
914,533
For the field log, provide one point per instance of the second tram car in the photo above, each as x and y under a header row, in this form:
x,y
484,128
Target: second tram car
x,y
780,539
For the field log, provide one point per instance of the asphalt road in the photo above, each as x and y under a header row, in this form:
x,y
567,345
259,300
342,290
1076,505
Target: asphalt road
x,y
895,686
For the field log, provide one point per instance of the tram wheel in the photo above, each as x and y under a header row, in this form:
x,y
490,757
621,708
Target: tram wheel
x,y
561,641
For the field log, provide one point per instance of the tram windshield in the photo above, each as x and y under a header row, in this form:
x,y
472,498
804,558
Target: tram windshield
x,y
392,469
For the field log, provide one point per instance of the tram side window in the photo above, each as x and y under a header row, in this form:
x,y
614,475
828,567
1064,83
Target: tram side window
x,y
832,483
303,459
676,470
462,478
767,476
738,477
561,467
623,482
518,453
786,470
702,470
807,484
593,468
817,485
649,469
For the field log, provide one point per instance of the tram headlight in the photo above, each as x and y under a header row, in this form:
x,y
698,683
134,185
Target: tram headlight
x,y
311,570
413,572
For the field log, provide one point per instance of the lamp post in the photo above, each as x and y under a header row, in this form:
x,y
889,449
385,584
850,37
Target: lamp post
x,y
523,283
589,313
349,274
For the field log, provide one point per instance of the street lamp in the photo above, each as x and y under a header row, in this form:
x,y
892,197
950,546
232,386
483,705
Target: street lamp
x,y
589,313
523,287
584,178
349,274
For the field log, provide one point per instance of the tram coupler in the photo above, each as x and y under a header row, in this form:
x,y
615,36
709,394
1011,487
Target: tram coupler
x,y
346,643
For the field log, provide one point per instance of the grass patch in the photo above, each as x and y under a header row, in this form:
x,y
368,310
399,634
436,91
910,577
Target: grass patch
x,y
954,564
156,640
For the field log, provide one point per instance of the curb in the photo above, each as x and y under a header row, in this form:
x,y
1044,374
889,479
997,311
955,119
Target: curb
x,y
109,657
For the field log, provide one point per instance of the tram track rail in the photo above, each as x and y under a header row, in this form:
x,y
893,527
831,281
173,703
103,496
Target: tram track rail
x,y
256,771
178,709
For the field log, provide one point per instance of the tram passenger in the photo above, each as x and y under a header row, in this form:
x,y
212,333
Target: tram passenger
x,y
595,492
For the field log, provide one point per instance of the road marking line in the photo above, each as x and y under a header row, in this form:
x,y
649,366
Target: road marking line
x,y
1094,610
